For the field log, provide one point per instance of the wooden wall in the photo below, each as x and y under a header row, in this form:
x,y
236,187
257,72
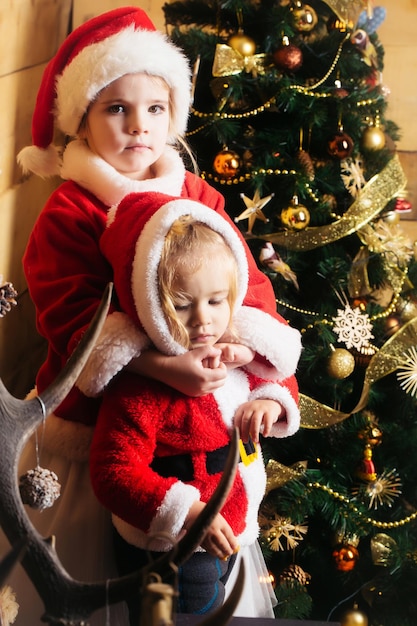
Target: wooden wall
x,y
30,32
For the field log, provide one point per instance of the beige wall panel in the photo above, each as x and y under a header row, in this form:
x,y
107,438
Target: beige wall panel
x,y
84,9
21,348
30,31
398,36
15,121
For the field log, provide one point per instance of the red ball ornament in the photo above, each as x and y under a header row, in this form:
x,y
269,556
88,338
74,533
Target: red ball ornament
x,y
345,556
288,57
340,146
402,205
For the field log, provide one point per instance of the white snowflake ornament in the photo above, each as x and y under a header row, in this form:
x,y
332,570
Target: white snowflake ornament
x,y
407,372
353,328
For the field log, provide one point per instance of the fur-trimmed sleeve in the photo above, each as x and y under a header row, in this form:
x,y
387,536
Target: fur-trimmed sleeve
x,y
119,342
277,342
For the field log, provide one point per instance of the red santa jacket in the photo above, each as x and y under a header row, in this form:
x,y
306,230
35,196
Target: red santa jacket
x,y
155,452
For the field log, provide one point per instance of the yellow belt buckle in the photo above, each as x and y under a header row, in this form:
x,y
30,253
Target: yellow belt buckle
x,y
248,452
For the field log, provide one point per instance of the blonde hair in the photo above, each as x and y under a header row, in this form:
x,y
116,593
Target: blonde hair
x,y
188,244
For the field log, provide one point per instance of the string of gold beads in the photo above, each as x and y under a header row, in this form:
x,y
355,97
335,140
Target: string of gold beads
x,y
369,520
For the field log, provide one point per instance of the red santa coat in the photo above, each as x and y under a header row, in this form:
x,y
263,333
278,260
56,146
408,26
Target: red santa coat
x,y
142,420
66,273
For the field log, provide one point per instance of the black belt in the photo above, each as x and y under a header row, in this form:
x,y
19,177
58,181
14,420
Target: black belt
x,y
181,465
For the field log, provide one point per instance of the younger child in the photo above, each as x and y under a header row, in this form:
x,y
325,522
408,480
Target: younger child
x,y
181,274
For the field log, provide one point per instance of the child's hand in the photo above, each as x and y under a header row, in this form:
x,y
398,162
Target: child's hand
x,y
257,416
219,540
235,354
186,372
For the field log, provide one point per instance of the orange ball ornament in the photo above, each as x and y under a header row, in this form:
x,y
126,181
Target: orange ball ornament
x,y
345,557
227,164
340,146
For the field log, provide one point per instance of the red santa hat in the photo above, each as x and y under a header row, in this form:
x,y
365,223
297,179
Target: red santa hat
x,y
119,42
133,242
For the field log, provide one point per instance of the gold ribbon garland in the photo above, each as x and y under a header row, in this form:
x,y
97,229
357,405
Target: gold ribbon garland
x,y
369,203
228,61
347,10
315,415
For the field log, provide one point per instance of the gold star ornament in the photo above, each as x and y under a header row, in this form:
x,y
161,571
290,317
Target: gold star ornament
x,y
253,209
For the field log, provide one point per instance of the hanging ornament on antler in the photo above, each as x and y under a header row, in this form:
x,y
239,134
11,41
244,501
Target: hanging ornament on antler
x,y
8,296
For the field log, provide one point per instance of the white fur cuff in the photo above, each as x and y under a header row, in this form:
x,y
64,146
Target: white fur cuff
x,y
119,342
279,343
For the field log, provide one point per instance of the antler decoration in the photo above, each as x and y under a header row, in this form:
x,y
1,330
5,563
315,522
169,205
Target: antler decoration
x,y
68,601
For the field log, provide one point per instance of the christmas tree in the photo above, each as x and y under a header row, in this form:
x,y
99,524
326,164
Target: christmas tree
x,y
289,123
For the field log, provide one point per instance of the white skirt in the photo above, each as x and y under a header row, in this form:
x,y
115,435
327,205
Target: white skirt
x,y
258,597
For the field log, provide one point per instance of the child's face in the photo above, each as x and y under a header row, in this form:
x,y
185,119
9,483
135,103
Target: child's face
x,y
127,125
205,310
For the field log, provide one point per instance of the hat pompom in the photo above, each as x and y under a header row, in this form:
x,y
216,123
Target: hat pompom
x,y
43,162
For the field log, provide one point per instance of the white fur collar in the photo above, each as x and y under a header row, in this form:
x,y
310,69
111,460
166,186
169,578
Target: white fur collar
x,y
97,176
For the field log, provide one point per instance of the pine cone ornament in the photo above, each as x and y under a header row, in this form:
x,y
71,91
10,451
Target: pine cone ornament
x,y
306,163
39,488
7,298
294,573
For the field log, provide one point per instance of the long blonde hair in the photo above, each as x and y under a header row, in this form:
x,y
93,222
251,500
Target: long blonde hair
x,y
188,244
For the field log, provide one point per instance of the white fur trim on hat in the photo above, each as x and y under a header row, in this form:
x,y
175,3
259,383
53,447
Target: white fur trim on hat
x,y
147,257
126,52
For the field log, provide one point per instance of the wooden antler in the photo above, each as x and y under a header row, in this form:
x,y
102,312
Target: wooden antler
x,y
68,601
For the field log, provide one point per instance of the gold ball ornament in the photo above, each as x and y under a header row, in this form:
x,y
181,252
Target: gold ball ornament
x,y
392,325
392,218
373,138
341,363
382,548
242,44
304,17
227,163
354,617
408,311
296,216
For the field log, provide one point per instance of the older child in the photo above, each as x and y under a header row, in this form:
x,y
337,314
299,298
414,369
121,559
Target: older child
x,y
117,93
180,273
